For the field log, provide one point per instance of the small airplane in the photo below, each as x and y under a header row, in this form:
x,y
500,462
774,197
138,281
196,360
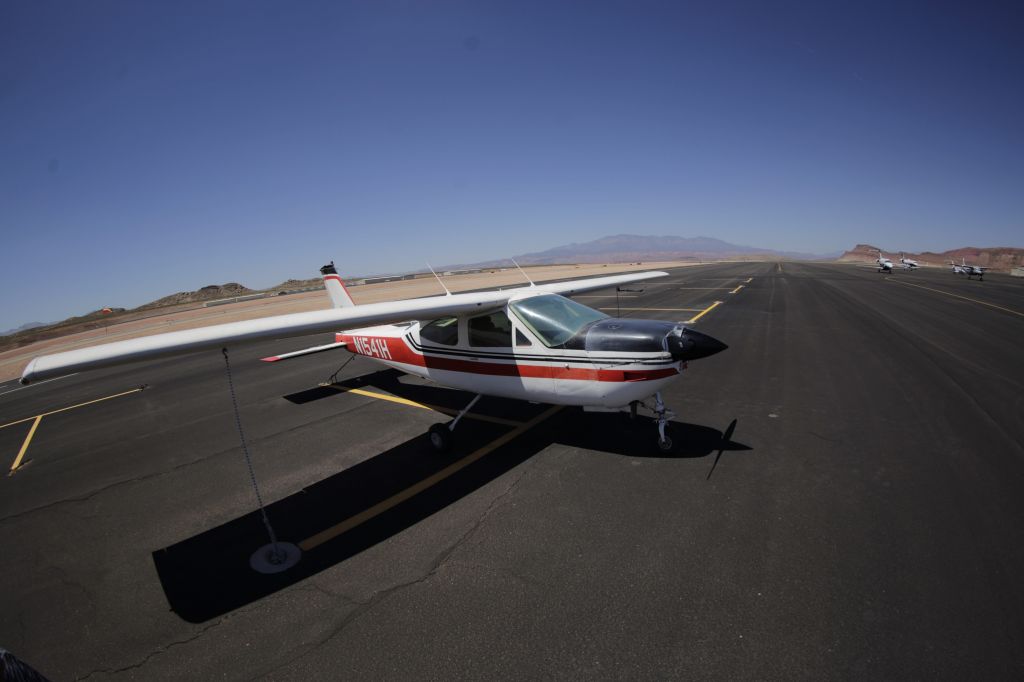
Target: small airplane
x,y
969,270
908,264
883,263
528,343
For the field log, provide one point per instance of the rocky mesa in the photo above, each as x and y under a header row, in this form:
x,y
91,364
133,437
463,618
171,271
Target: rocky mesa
x,y
998,258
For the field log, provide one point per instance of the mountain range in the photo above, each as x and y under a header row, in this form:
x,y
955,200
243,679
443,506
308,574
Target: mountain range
x,y
621,248
24,327
633,247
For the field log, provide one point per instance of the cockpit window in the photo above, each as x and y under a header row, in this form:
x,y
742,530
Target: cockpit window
x,y
554,319
490,330
444,331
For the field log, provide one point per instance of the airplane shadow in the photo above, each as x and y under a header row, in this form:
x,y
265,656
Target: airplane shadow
x,y
208,575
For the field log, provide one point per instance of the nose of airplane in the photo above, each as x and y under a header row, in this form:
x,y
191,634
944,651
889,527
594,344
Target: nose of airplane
x,y
691,345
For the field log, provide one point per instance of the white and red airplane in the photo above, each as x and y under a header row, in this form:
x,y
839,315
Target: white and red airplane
x,y
528,343
969,270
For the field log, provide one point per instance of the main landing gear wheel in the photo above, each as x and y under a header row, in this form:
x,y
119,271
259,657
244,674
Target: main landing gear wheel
x,y
665,444
440,437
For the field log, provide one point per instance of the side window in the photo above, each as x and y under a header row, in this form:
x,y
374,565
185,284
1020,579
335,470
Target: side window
x,y
444,331
521,340
491,330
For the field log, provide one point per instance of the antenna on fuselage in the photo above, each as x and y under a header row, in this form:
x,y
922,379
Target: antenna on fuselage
x,y
447,293
523,271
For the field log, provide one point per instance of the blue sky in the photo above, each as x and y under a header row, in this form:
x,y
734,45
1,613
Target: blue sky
x,y
152,147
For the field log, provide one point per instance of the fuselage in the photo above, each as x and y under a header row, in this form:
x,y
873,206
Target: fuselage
x,y
606,363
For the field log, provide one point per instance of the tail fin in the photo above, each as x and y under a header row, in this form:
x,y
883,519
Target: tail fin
x,y
335,287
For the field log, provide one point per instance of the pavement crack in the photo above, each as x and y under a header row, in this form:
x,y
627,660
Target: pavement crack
x,y
157,652
116,484
379,596
830,440
315,587
65,580
524,579
22,630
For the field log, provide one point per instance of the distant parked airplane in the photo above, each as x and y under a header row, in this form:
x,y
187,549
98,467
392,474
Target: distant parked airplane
x,y
969,270
908,264
884,264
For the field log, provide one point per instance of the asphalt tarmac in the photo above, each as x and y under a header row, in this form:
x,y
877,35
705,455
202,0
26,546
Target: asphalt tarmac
x,y
845,502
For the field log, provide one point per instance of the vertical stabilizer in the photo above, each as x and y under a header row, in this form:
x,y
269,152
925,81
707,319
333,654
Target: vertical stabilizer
x,y
335,287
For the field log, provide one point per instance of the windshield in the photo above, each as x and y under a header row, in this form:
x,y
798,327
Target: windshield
x,y
554,319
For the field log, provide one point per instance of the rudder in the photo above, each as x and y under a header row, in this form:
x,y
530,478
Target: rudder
x,y
340,297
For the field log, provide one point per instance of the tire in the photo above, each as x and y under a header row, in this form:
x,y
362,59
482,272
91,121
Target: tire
x,y
440,437
665,445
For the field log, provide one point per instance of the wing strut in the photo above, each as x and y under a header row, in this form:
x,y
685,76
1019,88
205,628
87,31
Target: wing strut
x,y
524,273
275,556
446,292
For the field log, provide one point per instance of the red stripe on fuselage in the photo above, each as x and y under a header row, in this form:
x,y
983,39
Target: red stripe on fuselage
x,y
400,352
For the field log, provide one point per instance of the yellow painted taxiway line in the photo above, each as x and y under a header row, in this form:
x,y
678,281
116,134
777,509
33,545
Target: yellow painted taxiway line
x,y
396,499
72,407
736,289
704,312
666,310
24,446
965,298
749,280
422,406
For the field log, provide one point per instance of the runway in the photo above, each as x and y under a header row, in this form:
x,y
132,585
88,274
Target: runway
x,y
844,502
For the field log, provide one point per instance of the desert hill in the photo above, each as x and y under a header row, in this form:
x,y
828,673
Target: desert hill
x,y
211,292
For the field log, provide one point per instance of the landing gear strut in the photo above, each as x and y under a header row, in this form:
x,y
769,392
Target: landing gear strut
x,y
441,435
662,415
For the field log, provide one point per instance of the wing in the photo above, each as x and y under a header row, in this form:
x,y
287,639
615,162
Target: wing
x,y
296,324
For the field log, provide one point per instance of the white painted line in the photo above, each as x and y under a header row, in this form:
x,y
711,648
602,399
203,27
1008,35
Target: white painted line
x,y
37,383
